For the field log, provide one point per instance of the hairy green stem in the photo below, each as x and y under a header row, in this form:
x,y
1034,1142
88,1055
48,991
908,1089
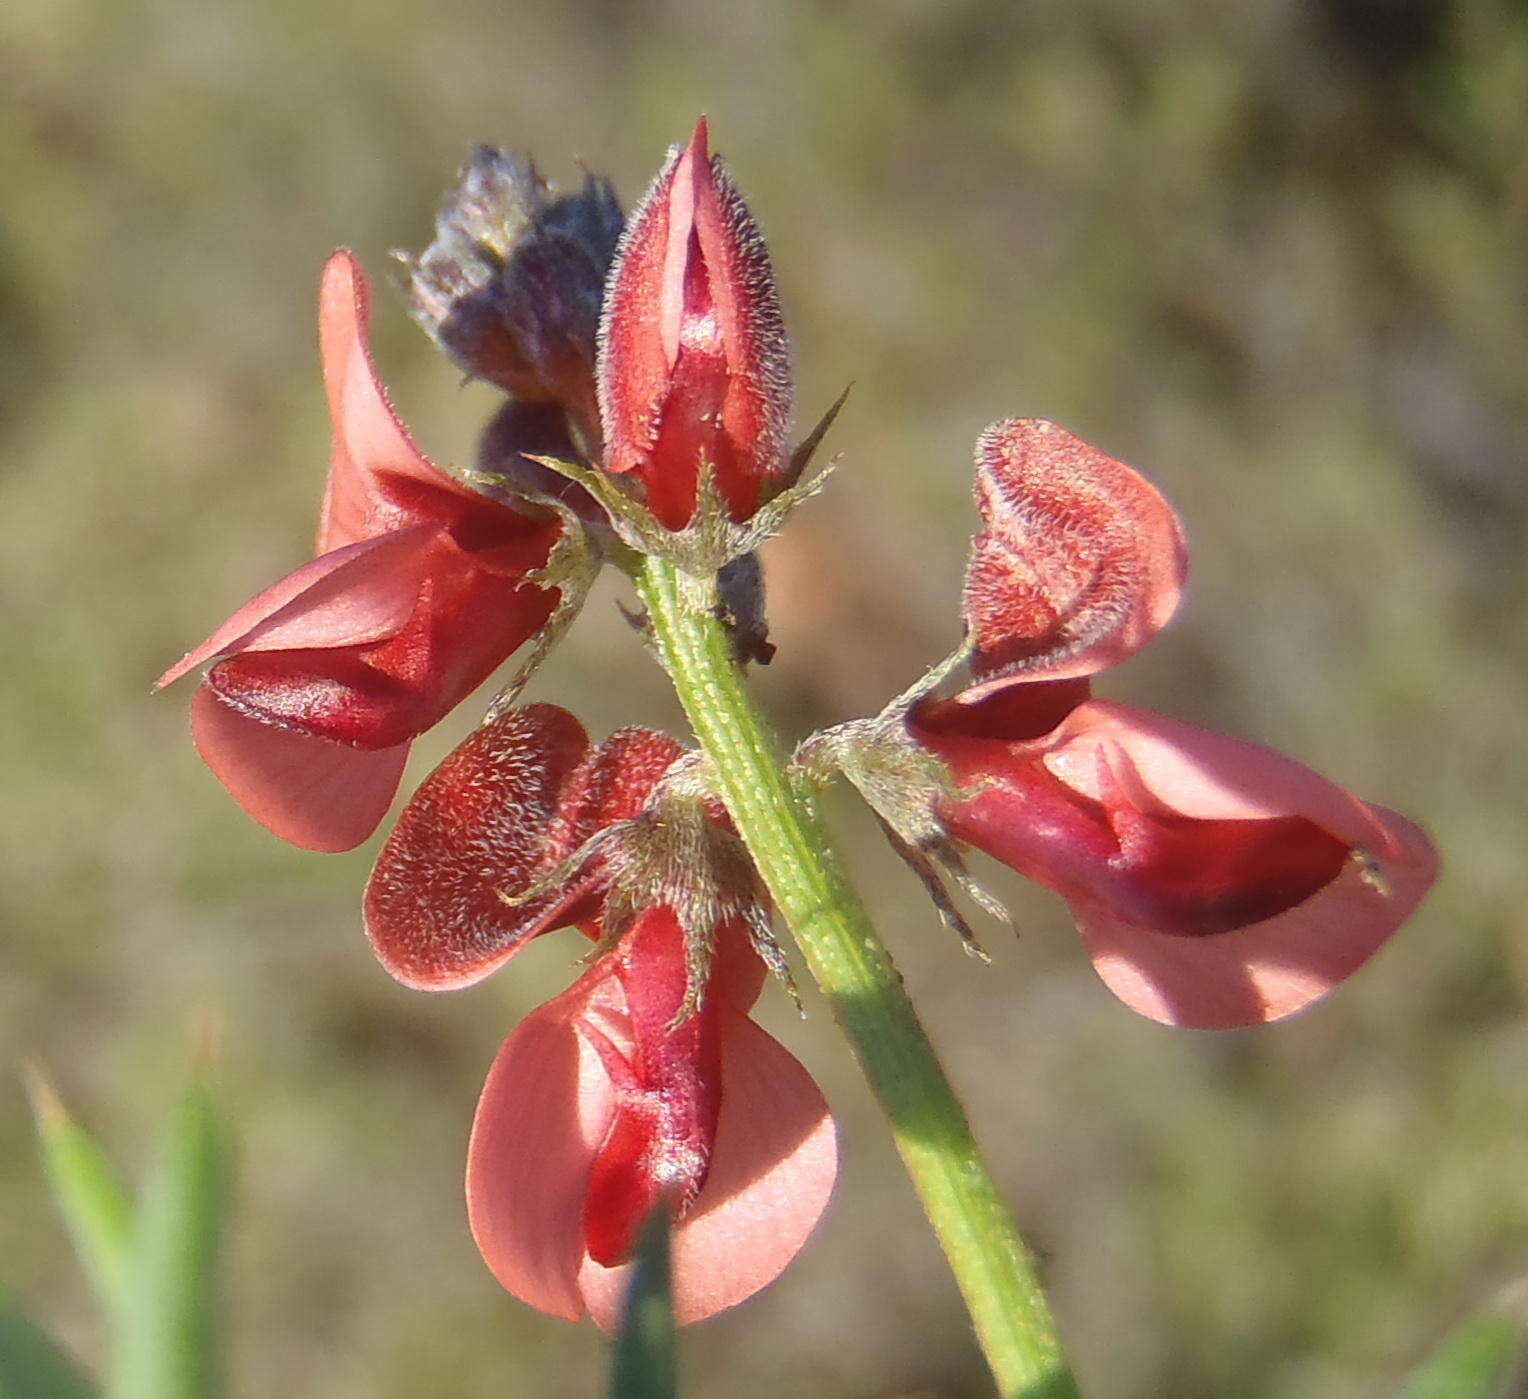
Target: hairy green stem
x,y
806,878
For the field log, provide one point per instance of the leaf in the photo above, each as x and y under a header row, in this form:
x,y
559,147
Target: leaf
x,y
33,1365
168,1344
646,1360
88,1188
1478,1359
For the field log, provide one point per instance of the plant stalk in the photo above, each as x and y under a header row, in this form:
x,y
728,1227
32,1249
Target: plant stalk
x,y
806,878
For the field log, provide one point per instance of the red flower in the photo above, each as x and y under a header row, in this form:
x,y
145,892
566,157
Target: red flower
x,y
592,1112
1215,882
417,595
604,1103
694,365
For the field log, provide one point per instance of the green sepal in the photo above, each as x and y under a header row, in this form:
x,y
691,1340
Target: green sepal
x,y
712,539
903,783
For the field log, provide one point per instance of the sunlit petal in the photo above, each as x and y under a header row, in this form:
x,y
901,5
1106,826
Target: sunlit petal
x,y
1080,563
316,794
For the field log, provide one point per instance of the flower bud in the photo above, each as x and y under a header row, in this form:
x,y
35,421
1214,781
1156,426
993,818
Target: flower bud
x,y
511,287
694,368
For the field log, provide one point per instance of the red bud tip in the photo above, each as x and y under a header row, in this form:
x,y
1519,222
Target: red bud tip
x,y
694,365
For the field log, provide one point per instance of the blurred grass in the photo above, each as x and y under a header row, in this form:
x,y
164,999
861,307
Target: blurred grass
x,y
644,1356
1275,255
1482,1358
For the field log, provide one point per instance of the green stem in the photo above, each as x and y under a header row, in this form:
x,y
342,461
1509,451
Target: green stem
x,y
807,880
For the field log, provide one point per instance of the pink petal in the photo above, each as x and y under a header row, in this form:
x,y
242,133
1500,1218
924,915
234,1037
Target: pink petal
x,y
544,1112
315,794
347,597
1181,768
612,784
369,438
480,826
737,972
1270,969
1267,969
680,217
1081,561
772,1171
659,1148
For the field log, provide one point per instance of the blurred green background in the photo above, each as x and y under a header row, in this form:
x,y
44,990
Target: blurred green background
x,y
1274,254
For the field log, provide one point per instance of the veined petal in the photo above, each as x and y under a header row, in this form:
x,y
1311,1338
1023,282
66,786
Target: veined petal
x,y
552,1108
477,830
668,1091
464,624
772,1172
347,597
612,784
642,295
668,1077
509,804
316,794
1195,772
379,480
419,594
1080,563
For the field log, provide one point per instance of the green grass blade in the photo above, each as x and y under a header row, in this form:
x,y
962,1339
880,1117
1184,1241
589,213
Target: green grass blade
x,y
646,1361
32,1365
96,1207
1479,1359
168,1345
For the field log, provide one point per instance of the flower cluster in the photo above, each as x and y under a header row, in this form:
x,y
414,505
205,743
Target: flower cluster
x,y
648,409
646,1084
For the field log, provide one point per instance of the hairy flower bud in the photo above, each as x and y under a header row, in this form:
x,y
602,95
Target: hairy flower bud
x,y
694,371
512,285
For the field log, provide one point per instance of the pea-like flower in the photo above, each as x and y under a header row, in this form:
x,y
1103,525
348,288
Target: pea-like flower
x,y
1215,883
421,588
645,1085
